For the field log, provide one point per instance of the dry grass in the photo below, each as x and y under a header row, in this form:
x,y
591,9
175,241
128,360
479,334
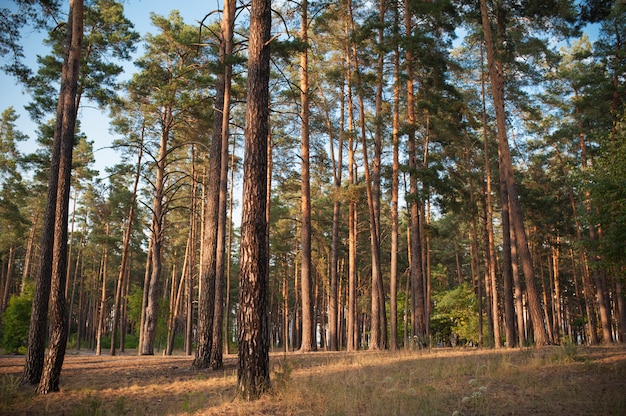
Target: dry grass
x,y
555,380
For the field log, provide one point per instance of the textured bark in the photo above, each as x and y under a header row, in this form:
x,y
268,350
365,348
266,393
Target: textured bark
x,y
253,377
308,325
54,250
59,325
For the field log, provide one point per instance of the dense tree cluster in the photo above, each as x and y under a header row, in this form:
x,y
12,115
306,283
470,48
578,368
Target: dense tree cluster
x,y
414,173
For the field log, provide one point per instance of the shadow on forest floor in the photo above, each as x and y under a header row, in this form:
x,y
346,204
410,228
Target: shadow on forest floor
x,y
537,381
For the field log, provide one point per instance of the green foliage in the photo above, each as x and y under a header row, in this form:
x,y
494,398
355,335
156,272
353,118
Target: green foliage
x,y
15,323
455,315
135,300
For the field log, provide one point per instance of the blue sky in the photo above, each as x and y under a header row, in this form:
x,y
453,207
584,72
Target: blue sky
x,y
94,121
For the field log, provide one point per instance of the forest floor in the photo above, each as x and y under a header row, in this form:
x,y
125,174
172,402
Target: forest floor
x,y
567,380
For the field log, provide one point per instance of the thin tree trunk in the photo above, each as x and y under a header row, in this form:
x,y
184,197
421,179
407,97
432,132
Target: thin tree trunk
x,y
518,294
176,301
29,250
337,164
79,256
308,327
393,271
144,299
190,272
126,247
352,330
219,333
229,248
496,76
416,267
9,279
621,310
103,298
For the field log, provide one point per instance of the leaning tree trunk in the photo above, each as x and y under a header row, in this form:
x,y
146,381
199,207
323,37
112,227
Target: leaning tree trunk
x,y
497,86
253,377
48,278
58,312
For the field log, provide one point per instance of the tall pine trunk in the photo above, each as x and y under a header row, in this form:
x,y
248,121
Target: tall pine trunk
x,y
416,271
226,48
252,319
58,306
51,278
308,324
496,76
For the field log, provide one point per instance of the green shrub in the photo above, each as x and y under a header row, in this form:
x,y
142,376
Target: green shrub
x,y
15,323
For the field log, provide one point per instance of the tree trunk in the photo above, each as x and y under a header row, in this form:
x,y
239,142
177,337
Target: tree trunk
x,y
58,306
9,280
51,276
337,168
29,250
393,271
125,248
416,269
352,330
191,270
308,327
176,301
103,298
158,218
144,299
496,76
253,377
226,46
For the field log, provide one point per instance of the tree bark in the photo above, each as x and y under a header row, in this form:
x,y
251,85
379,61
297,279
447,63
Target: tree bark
x,y
48,278
58,312
496,76
308,326
253,377
226,47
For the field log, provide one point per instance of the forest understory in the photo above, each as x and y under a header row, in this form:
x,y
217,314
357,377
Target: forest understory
x,y
566,379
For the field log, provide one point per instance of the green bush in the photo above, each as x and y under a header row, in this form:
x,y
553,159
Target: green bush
x,y
15,324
